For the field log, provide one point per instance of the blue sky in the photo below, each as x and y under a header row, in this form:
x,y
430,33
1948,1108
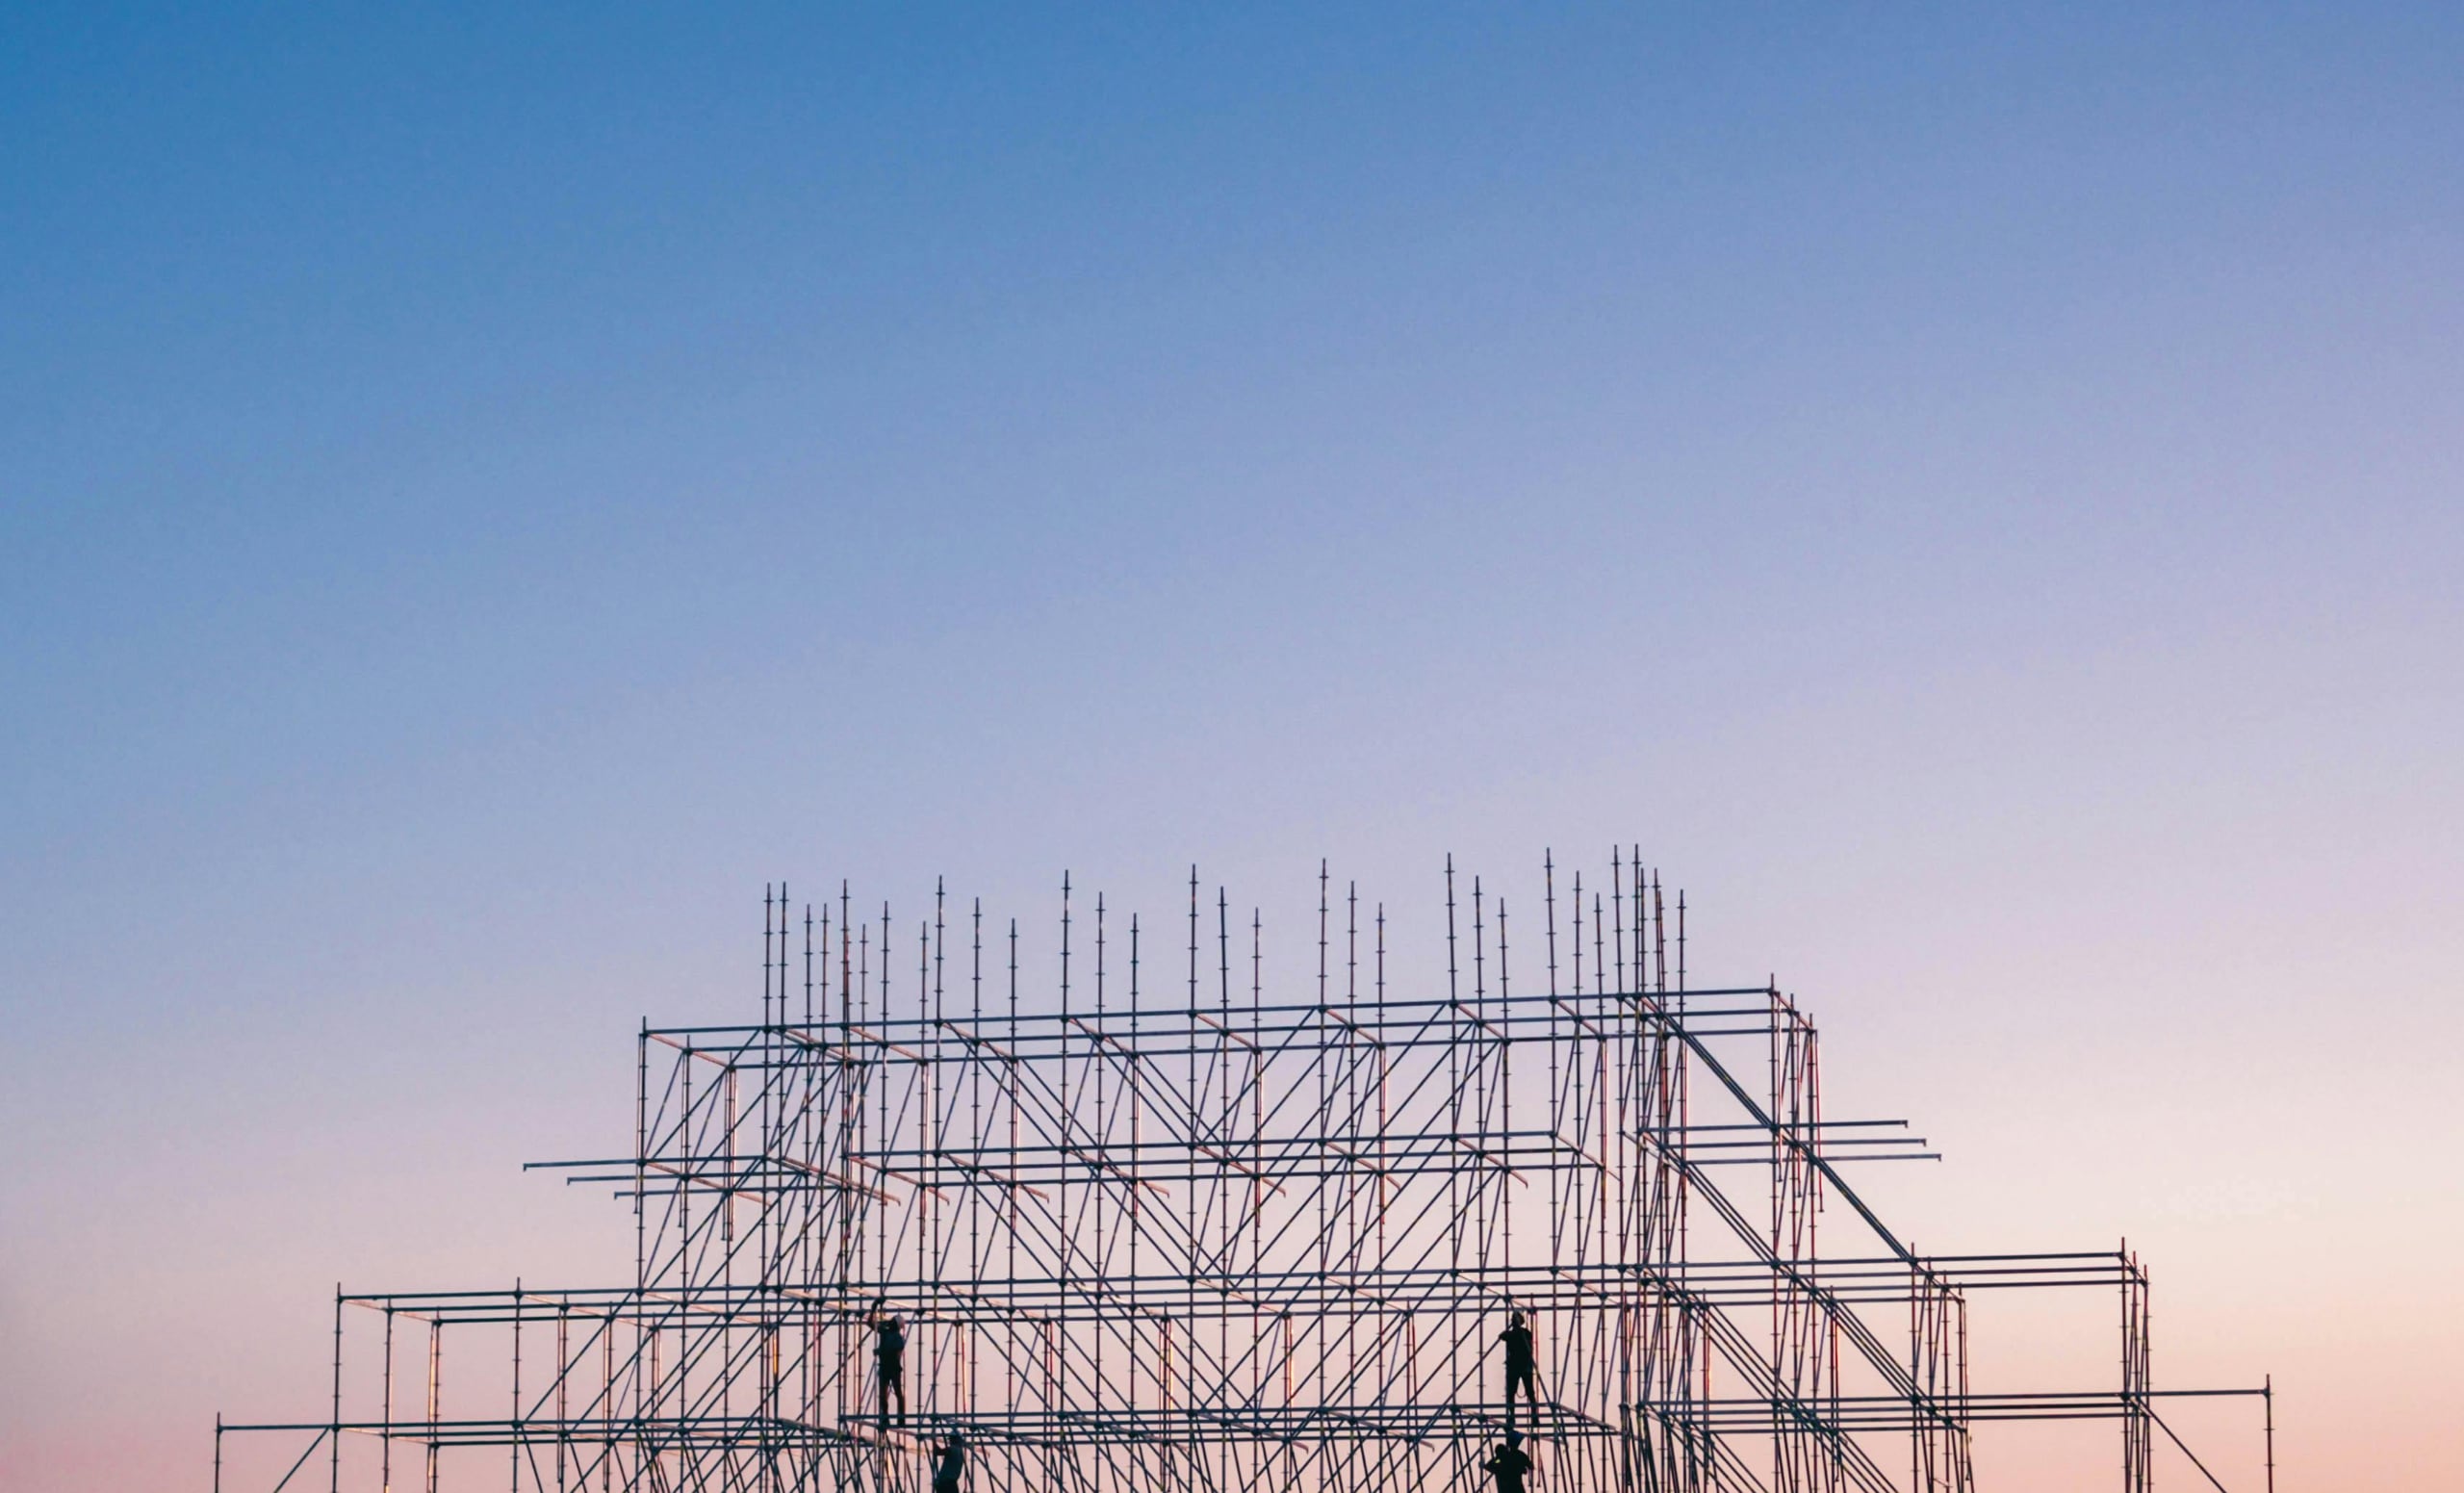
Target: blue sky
x,y
480,495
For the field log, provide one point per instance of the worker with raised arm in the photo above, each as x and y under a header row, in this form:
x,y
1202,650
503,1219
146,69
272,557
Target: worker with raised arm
x,y
889,1355
952,1466
1509,1465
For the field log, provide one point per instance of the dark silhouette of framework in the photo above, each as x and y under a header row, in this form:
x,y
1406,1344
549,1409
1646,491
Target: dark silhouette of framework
x,y
1169,1229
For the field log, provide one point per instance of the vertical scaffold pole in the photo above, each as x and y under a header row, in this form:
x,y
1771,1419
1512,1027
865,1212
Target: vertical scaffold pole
x,y
385,1445
435,1383
2267,1401
334,1460
513,1442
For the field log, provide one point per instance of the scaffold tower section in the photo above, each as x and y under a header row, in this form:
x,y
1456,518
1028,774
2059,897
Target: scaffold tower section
x,y
1159,1225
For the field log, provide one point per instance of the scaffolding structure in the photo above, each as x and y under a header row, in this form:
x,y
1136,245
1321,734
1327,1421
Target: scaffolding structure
x,y
1160,1226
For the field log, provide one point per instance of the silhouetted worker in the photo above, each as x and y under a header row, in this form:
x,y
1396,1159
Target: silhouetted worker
x,y
1509,1466
889,1351
952,1466
1519,1365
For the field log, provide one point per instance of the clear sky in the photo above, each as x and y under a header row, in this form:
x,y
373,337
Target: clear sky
x,y
1977,494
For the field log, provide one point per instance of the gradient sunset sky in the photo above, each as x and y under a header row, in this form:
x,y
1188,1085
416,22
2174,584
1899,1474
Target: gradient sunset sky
x,y
1978,493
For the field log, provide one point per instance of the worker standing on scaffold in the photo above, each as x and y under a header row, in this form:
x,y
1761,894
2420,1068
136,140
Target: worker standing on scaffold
x,y
1520,1366
952,1466
890,1354
1509,1465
